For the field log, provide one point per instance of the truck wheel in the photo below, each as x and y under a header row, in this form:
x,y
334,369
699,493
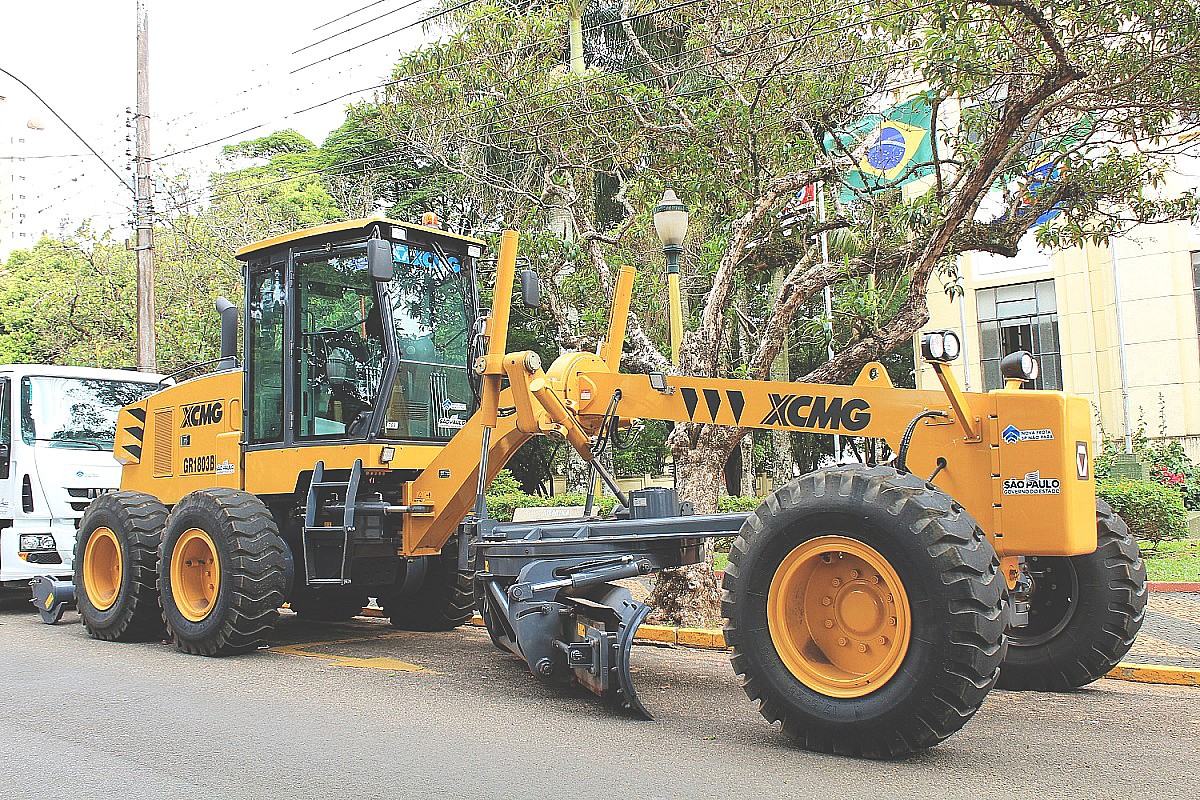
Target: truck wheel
x,y
333,604
864,608
222,572
443,601
116,566
1084,612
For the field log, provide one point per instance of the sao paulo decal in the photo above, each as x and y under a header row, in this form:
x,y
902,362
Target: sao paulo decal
x,y
1032,483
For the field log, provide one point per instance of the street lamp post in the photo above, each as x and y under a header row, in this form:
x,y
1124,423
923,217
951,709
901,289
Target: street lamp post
x,y
671,224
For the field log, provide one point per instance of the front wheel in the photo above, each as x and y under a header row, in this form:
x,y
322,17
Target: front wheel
x,y
222,572
1084,612
864,607
116,564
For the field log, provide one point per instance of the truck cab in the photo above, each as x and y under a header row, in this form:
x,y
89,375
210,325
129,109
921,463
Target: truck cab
x,y
57,426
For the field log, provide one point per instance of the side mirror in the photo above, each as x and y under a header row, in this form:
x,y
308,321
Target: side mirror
x,y
5,453
379,259
531,289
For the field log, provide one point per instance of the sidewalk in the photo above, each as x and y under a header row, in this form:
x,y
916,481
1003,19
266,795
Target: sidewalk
x,y
1171,633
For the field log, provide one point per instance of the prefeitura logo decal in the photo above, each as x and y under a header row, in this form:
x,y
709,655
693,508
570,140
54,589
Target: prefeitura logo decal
x,y
1012,434
1032,483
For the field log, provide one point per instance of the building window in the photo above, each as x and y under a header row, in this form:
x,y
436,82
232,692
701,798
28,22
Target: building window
x,y
1196,285
1023,316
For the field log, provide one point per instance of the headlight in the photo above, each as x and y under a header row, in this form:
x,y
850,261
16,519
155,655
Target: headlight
x,y
1020,365
36,541
942,346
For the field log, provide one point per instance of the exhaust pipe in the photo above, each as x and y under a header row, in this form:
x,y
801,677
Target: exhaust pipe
x,y
229,329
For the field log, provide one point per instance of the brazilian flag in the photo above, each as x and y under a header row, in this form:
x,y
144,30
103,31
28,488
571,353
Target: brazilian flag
x,y
885,147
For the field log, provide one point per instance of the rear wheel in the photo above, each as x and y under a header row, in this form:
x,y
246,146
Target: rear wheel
x,y
441,602
1084,612
864,610
116,566
222,572
333,604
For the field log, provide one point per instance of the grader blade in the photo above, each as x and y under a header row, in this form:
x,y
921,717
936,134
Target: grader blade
x,y
599,656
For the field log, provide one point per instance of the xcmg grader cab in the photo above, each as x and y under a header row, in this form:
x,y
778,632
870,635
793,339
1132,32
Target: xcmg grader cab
x,y
870,609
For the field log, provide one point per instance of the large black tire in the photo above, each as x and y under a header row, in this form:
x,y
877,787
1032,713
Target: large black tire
x,y
444,600
251,565
137,520
949,573
1085,612
332,604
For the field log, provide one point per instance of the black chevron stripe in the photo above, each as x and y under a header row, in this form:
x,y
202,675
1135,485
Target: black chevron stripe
x,y
139,414
137,433
690,398
134,450
736,403
712,399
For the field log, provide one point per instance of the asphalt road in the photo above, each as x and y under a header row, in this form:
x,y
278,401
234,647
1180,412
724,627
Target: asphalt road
x,y
361,711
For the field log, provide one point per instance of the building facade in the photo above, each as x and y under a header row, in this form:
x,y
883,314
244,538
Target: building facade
x,y
1072,308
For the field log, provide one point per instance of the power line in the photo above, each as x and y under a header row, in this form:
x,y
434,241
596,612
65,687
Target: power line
x,y
409,4
421,21
67,125
349,14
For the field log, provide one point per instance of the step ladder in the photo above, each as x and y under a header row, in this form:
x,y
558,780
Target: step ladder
x,y
332,496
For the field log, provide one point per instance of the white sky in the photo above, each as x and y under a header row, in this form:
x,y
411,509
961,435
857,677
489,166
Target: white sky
x,y
216,68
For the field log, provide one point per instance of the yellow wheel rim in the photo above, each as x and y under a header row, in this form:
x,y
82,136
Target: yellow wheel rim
x,y
195,574
839,616
102,569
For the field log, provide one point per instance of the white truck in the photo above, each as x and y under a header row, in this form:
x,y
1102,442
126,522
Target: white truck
x,y
56,438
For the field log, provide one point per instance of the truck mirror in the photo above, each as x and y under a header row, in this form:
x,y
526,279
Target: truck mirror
x,y
5,454
531,289
379,259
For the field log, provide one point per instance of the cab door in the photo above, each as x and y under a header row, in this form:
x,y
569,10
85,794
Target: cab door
x,y
9,499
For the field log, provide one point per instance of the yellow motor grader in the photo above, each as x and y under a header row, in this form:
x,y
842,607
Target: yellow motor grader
x,y
345,455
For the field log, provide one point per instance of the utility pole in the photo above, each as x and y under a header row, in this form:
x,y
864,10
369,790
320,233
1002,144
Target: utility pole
x,y
144,208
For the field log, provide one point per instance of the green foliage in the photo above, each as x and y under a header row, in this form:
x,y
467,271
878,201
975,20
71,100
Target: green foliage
x,y
646,452
1165,460
731,503
72,300
1154,513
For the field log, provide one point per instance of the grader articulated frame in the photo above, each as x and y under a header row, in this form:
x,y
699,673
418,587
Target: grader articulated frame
x,y
867,607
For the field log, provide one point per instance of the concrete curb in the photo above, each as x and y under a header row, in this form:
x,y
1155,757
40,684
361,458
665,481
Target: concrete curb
x,y
1172,586
714,639
1154,673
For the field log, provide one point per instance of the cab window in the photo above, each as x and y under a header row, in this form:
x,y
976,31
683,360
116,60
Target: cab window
x,y
340,343
264,336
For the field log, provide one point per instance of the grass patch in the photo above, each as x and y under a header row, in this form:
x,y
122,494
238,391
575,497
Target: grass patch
x,y
720,560
1173,561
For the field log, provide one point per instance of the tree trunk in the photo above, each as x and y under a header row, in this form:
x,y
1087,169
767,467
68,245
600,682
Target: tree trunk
x,y
688,596
748,489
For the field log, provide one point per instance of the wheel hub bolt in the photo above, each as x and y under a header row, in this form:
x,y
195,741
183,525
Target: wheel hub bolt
x,y
883,640
854,573
842,641
836,582
828,623
862,648
891,620
826,600
876,579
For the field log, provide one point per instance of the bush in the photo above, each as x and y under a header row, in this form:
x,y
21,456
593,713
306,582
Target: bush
x,y
1153,512
733,503
504,497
